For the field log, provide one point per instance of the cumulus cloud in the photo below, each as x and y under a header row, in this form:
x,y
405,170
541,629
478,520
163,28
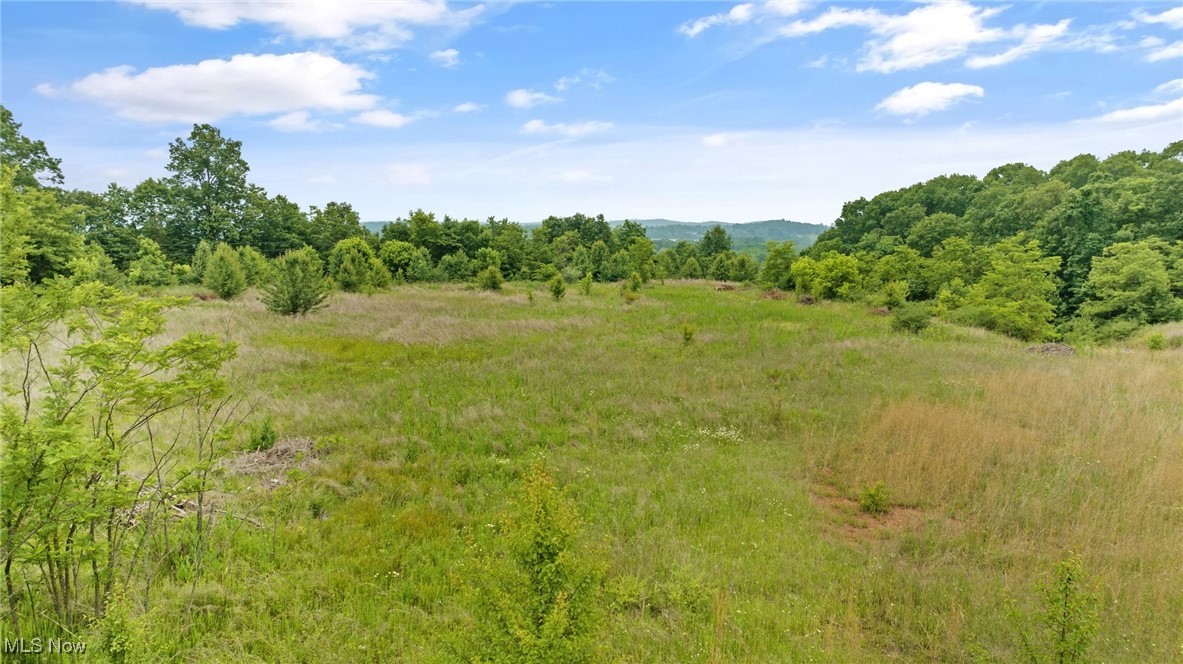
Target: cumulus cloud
x,y
213,89
1035,38
924,98
468,107
567,130
1148,113
1172,17
361,25
447,58
1168,52
523,98
382,118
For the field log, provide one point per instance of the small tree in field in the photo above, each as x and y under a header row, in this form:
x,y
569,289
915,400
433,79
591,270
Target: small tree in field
x,y
223,273
558,287
536,595
489,278
298,285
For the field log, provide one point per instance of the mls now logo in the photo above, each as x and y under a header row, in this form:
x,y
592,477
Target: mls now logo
x,y
37,646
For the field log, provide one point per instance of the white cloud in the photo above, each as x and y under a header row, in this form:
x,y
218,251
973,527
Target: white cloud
x,y
738,14
1035,38
592,78
931,33
522,98
213,89
818,63
785,7
568,130
720,140
1168,52
468,107
1170,87
447,58
744,13
362,25
413,174
296,121
382,118
924,98
1171,17
1150,113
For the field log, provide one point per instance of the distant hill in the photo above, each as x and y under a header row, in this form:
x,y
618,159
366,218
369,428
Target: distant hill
x,y
800,233
668,231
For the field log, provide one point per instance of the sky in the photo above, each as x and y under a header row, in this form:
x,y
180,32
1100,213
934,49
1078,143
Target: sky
x,y
692,111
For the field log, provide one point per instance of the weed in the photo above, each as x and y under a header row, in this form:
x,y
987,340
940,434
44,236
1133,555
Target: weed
x,y
688,331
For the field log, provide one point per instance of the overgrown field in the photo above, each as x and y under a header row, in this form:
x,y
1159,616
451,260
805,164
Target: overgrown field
x,y
720,448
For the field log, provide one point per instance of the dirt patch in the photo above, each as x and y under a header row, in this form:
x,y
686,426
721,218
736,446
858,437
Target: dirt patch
x,y
881,311
774,294
725,287
849,521
1051,349
272,465
806,299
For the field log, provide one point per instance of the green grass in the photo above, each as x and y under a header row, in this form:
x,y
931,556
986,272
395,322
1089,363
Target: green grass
x,y
715,479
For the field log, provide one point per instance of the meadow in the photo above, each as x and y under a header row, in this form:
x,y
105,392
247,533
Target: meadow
x,y
719,448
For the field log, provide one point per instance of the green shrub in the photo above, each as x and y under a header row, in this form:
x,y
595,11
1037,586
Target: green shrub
x,y
298,285
873,499
912,317
255,266
200,259
688,331
1156,341
1069,619
535,596
634,282
150,268
489,278
351,263
263,437
585,284
558,287
223,273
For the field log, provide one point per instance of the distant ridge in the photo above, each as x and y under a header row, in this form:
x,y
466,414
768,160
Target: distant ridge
x,y
745,233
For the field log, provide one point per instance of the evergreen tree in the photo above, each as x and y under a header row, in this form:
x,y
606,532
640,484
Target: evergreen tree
x,y
223,273
150,268
298,285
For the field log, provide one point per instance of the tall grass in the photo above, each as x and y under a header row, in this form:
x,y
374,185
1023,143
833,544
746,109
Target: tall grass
x,y
707,476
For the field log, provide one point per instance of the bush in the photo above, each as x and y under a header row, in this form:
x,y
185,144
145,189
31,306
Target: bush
x,y
298,286
536,597
1156,341
255,266
351,263
912,317
634,282
688,331
585,284
873,499
263,437
223,273
1069,618
558,287
150,268
489,278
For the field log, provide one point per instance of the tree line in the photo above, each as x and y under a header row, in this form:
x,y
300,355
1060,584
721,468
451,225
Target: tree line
x,y
1092,249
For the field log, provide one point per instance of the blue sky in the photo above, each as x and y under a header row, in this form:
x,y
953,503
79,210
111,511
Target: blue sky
x,y
684,110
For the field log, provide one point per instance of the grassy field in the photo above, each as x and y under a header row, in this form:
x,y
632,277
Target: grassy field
x,y
718,480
